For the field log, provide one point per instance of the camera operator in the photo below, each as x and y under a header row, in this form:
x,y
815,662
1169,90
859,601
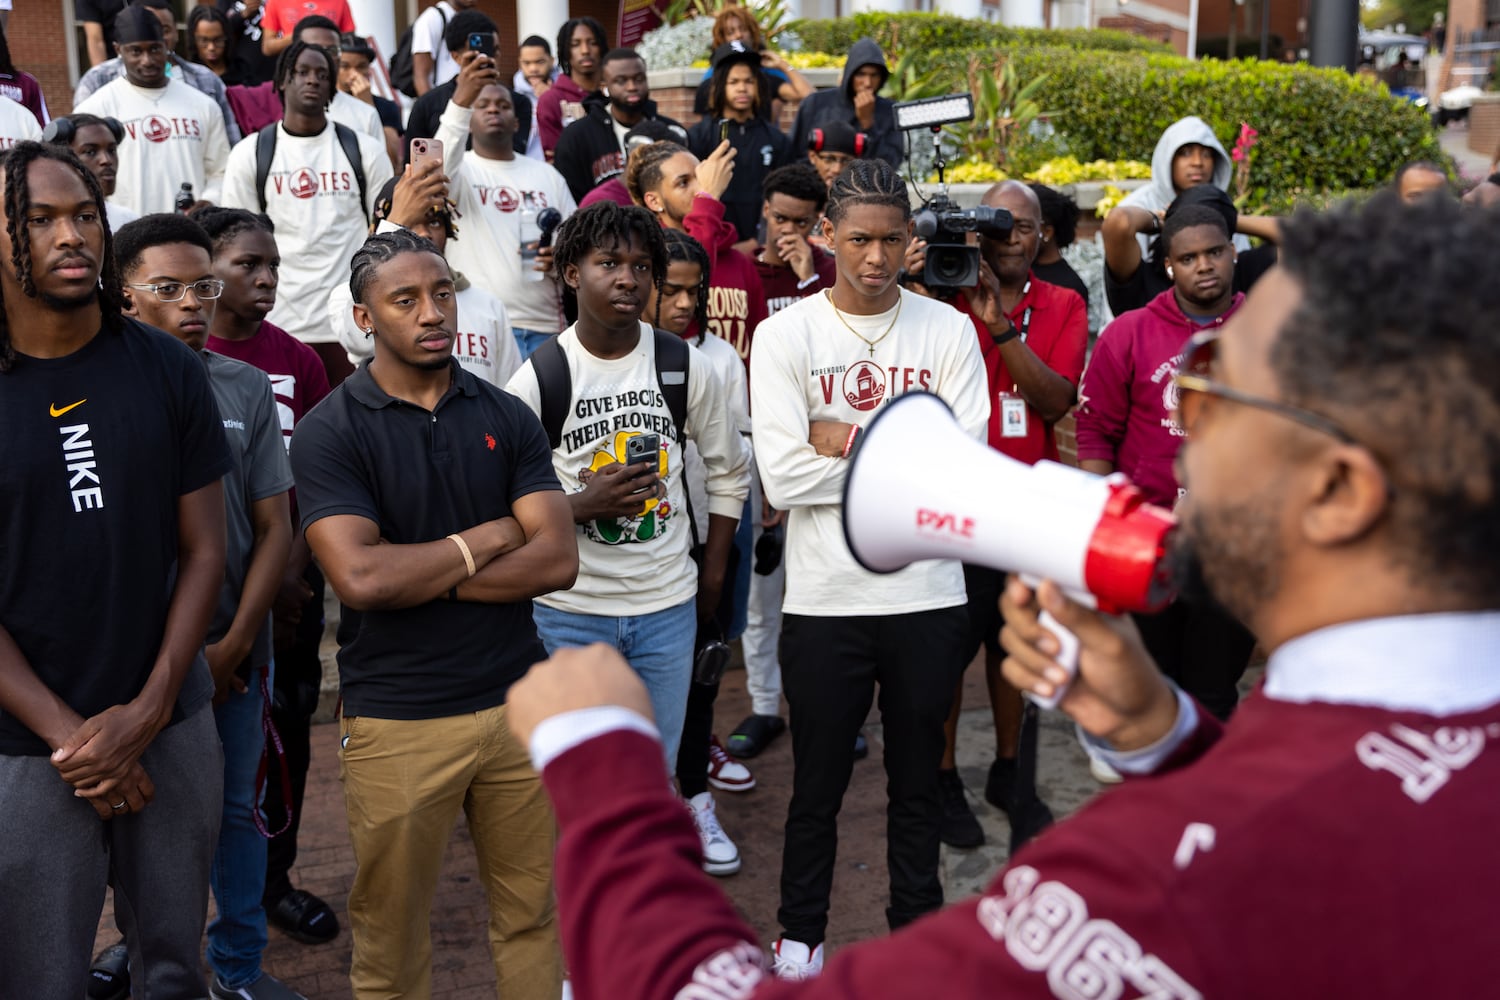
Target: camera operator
x,y
1033,336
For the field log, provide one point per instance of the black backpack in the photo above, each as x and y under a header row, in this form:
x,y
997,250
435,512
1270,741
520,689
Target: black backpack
x,y
265,151
403,77
554,383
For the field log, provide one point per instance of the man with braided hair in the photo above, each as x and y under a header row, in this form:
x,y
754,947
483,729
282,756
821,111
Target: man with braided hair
x,y
444,592
110,767
822,370
638,588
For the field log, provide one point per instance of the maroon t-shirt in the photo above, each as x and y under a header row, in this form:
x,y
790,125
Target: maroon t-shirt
x,y
298,378
782,286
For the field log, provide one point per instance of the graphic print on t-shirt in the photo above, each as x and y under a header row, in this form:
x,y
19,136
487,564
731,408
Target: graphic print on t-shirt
x,y
507,199
160,128
305,182
620,417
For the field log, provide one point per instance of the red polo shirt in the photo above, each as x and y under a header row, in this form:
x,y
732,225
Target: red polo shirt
x,y
1054,323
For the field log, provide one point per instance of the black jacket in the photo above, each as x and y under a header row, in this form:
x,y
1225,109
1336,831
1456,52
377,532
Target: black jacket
x,y
588,152
759,148
422,123
835,105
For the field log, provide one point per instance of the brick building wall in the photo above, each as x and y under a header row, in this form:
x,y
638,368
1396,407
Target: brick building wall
x,y
38,40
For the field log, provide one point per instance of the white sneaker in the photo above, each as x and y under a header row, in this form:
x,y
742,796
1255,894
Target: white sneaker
x,y
720,856
793,960
724,772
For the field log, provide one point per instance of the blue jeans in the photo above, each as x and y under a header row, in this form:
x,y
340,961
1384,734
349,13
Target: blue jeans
x,y
529,340
659,647
237,936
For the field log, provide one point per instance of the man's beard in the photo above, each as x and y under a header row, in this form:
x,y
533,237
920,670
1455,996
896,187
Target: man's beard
x,y
58,303
1229,556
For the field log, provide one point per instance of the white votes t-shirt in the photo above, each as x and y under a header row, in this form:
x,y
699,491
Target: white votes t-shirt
x,y
638,565
17,124
174,135
807,366
353,113
499,201
313,198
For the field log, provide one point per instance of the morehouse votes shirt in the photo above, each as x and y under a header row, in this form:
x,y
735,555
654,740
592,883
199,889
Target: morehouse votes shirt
x,y
313,198
1127,396
98,447
174,135
638,565
1336,839
498,202
808,367
420,476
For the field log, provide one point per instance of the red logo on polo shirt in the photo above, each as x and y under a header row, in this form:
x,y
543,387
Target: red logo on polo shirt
x,y
157,129
489,441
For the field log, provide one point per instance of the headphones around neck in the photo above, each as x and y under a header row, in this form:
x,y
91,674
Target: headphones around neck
x,y
60,131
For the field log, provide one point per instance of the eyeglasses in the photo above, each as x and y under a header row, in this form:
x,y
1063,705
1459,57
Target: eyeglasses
x,y
1194,380
834,159
173,291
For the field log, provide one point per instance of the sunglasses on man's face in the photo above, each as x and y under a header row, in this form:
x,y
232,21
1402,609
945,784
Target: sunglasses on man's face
x,y
1195,385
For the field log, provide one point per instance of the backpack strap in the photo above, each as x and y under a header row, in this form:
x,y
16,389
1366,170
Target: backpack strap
x,y
349,142
265,151
671,376
554,385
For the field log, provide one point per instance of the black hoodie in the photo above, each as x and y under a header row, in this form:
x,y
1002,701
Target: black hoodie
x,y
838,105
588,152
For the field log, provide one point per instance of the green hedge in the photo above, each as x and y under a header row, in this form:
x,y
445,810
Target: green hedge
x,y
1321,130
898,33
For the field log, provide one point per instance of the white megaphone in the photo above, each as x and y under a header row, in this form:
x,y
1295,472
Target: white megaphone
x,y
920,488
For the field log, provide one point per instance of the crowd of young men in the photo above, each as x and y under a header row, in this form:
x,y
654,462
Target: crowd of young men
x,y
529,427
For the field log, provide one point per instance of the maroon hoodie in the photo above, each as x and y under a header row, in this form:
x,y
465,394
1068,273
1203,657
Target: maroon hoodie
x,y
550,116
1126,399
736,300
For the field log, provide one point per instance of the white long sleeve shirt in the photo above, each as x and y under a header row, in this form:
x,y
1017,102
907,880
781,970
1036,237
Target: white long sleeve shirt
x,y
638,565
807,366
313,198
353,113
483,343
726,363
174,135
500,201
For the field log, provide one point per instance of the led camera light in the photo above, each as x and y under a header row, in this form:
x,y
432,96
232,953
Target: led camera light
x,y
932,112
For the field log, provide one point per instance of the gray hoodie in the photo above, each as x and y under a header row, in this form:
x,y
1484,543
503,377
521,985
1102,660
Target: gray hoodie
x,y
1157,195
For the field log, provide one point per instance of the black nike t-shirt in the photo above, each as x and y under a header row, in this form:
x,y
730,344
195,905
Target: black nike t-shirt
x,y
95,450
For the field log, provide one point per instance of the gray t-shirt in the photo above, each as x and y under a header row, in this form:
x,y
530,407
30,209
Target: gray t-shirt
x,y
259,470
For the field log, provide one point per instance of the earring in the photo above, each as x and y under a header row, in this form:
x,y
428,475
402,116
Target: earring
x,y
369,330
1169,272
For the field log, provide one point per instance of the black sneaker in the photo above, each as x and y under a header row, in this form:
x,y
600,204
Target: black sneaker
x,y
958,827
109,976
303,917
1027,813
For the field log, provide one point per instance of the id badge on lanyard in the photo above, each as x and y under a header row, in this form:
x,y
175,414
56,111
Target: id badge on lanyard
x,y
1014,417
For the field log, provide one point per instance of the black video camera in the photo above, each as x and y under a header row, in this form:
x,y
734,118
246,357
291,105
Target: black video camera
x,y
951,263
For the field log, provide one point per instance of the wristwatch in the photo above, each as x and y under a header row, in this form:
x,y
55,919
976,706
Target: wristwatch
x,y
1011,333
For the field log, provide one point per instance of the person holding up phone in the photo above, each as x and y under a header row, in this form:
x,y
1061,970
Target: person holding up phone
x,y
605,382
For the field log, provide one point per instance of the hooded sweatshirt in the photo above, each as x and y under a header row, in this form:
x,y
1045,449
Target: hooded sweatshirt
x,y
588,152
1126,399
736,300
838,105
559,107
1156,196
759,148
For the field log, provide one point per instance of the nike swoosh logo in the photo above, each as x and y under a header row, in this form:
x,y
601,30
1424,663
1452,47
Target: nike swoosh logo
x,y
56,412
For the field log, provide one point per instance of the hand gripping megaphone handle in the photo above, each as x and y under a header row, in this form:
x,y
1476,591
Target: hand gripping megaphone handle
x,y
1067,658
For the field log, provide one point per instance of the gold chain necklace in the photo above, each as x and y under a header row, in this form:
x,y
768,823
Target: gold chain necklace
x,y
868,342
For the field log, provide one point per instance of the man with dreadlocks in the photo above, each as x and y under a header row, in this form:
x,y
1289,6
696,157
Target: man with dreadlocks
x,y
638,588
312,195
110,768
822,369
444,592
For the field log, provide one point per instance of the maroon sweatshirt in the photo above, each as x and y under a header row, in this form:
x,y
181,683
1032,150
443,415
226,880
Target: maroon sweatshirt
x,y
782,286
736,300
1126,399
1311,850
550,117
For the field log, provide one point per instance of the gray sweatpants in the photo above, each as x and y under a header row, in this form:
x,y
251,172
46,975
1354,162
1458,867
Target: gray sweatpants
x,y
57,856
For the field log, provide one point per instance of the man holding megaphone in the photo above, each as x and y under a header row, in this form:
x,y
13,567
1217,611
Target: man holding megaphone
x,y
1336,839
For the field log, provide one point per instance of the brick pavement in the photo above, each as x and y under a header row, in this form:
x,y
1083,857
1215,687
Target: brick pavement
x,y
462,968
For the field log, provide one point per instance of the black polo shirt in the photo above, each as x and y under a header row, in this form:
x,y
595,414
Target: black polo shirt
x,y
422,475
